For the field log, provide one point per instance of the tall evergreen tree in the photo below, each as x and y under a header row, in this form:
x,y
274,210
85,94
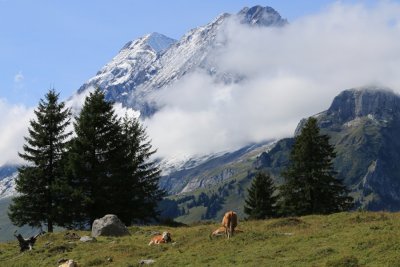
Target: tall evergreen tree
x,y
109,166
141,174
40,183
310,183
94,158
261,202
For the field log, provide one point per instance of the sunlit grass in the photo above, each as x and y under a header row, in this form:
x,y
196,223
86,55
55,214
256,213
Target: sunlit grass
x,y
344,239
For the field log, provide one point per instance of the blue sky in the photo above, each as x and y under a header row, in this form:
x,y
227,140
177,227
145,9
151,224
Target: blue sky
x,y
61,44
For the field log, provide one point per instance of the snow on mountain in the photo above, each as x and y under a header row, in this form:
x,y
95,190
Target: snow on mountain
x,y
7,186
132,66
193,50
8,173
156,61
261,16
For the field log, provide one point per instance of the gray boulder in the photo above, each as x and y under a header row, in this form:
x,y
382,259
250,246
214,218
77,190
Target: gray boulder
x,y
109,225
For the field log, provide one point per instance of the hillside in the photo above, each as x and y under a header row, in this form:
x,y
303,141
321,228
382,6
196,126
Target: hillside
x,y
363,125
344,239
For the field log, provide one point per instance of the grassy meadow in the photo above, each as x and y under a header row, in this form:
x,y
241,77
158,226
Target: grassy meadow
x,y
343,239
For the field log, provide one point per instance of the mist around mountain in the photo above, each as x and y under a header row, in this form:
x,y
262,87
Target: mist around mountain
x,y
363,125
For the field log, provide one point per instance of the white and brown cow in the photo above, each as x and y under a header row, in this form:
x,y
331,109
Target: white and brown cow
x,y
159,239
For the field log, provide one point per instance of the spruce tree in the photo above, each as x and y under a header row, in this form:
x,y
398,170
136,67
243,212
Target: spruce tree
x,y
141,173
40,184
261,202
94,158
310,183
109,166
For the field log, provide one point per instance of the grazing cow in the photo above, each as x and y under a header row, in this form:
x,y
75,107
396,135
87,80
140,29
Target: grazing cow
x,y
229,222
159,239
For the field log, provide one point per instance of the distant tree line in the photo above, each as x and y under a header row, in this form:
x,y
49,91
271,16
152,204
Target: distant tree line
x,y
73,177
310,186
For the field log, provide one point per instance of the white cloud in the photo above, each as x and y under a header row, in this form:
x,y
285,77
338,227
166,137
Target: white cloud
x,y
19,77
76,101
122,111
14,123
291,73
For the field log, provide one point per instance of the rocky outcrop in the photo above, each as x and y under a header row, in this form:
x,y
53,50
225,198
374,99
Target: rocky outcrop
x,y
364,125
109,225
365,101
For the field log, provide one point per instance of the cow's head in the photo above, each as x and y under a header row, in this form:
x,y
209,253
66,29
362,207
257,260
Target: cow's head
x,y
166,236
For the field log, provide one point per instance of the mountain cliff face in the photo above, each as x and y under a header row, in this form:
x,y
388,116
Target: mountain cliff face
x,y
363,125
156,61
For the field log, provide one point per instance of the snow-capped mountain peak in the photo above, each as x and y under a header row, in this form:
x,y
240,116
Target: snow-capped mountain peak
x,y
261,16
156,42
159,42
155,61
132,66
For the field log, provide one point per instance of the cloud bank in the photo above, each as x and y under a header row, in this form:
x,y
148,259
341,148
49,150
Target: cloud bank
x,y
291,73
13,127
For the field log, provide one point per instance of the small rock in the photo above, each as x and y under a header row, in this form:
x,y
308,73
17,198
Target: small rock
x,y
87,239
288,234
147,262
69,263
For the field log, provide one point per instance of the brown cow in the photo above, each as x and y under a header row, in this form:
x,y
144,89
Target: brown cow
x,y
159,239
229,222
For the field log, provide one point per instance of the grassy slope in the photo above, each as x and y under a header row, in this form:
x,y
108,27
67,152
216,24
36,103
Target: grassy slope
x,y
344,239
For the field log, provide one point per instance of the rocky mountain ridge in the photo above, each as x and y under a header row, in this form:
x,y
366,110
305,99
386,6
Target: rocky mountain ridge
x,y
363,125
156,61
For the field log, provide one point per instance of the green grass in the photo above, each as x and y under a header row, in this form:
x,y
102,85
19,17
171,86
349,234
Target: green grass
x,y
344,239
